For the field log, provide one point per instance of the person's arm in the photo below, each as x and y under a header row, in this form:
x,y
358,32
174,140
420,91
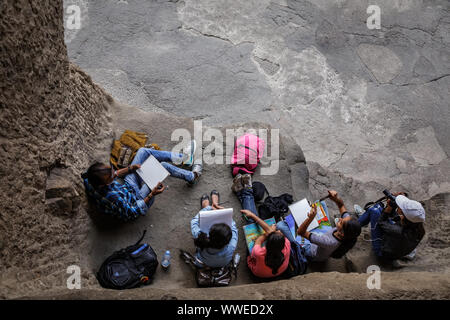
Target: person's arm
x,y
385,224
156,190
130,169
333,195
260,240
195,226
234,239
303,229
258,220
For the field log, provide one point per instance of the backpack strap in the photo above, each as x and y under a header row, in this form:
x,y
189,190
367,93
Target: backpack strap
x,y
141,238
247,147
266,191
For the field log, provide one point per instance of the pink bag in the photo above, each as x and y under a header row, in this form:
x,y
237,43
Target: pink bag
x,y
248,151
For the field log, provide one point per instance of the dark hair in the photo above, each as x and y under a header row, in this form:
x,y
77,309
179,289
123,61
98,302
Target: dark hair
x,y
219,236
351,229
95,174
274,255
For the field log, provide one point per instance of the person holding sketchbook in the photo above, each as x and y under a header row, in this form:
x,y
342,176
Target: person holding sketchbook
x,y
270,254
215,248
334,243
133,198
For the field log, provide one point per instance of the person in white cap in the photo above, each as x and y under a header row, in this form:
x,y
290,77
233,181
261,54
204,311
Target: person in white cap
x,y
396,229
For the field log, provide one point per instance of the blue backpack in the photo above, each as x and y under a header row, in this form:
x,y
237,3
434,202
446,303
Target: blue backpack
x,y
297,261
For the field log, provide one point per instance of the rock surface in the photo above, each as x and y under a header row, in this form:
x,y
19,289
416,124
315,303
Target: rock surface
x,y
375,102
250,56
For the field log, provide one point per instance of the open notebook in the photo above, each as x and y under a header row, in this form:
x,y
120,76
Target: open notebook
x,y
152,172
253,231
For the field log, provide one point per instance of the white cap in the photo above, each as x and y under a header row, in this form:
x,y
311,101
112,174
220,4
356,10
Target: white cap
x,y
412,210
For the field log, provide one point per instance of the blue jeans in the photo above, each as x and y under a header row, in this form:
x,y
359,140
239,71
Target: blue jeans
x,y
371,216
247,201
142,190
284,228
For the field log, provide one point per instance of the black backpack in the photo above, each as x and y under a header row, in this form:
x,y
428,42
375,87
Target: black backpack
x,y
275,206
297,261
259,191
129,268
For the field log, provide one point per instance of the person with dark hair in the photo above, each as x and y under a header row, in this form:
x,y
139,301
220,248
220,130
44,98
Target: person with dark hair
x,y
396,229
334,243
270,254
133,198
216,248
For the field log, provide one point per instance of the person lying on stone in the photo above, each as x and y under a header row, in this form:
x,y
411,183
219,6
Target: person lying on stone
x,y
396,229
216,248
133,198
269,260
334,243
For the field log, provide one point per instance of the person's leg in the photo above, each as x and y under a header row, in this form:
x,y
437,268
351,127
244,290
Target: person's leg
x,y
144,191
143,153
207,208
178,172
372,215
364,219
284,228
307,247
247,201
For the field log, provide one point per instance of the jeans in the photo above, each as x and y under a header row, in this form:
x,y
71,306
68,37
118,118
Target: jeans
x,y
371,216
247,201
133,179
284,228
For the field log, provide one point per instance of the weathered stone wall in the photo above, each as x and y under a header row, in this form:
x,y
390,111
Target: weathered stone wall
x,y
52,118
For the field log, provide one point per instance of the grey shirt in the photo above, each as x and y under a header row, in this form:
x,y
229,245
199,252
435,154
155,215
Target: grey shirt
x,y
324,244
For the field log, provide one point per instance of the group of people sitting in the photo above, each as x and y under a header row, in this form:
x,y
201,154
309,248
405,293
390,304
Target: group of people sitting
x,y
396,228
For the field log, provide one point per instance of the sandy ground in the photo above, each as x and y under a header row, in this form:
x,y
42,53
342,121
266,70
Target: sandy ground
x,y
411,285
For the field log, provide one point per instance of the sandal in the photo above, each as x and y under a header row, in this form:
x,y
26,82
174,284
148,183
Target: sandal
x,y
203,198
215,192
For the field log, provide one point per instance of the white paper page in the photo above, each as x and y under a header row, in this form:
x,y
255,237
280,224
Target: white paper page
x,y
152,172
300,210
208,218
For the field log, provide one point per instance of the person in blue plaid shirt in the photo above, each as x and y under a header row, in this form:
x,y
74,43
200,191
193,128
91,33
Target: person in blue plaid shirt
x,y
133,198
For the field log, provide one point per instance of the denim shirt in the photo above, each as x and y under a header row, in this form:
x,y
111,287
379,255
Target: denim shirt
x,y
215,258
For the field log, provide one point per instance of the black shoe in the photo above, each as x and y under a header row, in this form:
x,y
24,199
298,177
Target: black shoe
x,y
203,198
215,192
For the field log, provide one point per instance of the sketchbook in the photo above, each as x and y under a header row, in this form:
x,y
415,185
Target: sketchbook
x,y
208,218
300,210
253,231
152,172
321,218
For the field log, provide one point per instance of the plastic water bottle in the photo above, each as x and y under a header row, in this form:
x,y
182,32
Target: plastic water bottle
x,y
236,260
165,263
